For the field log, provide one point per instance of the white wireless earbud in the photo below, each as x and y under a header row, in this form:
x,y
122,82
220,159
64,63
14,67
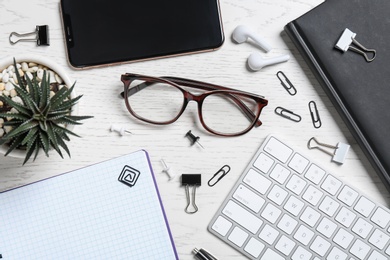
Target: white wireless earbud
x,y
257,62
242,33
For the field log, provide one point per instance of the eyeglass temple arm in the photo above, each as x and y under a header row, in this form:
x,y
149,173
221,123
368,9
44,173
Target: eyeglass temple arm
x,y
207,86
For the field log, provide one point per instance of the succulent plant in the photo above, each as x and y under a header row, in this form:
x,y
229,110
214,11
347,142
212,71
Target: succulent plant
x,y
40,121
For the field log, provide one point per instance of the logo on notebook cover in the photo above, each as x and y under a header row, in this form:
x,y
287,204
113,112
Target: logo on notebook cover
x,y
129,176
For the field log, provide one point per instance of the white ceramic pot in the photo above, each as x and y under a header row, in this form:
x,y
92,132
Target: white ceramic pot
x,y
6,62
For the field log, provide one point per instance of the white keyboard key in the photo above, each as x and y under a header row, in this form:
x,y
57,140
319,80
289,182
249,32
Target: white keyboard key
x,y
381,217
277,195
285,245
222,225
362,228
345,217
364,206
375,255
278,149
269,234
298,163
257,181
271,254
336,254
294,205
249,198
312,195
242,217
320,246
238,236
348,195
343,238
263,163
296,184
271,213
360,249
301,254
287,224
331,185
388,250
310,216
280,173
314,174
379,239
326,227
304,235
329,206
254,247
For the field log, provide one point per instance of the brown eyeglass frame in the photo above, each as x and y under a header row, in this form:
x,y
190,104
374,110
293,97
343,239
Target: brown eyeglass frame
x,y
188,96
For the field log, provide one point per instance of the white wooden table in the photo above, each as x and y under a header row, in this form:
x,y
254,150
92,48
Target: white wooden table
x,y
226,67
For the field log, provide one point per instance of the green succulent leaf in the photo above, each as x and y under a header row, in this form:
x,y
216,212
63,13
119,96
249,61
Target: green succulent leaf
x,y
19,107
21,129
15,143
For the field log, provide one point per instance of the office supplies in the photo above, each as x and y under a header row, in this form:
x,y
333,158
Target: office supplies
x,y
41,36
243,33
345,78
119,129
168,170
221,172
339,153
257,62
194,139
202,254
88,214
287,206
346,40
193,180
124,34
287,114
315,116
286,83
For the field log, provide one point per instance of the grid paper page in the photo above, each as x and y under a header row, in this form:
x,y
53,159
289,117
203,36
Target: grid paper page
x,y
87,214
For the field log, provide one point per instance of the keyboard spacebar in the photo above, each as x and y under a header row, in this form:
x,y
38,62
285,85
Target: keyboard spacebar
x,y
242,216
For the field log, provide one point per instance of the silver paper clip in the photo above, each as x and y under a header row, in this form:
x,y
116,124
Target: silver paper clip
x,y
289,86
287,114
339,154
223,171
315,116
41,36
345,43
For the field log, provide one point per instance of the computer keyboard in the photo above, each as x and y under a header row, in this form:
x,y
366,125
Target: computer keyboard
x,y
285,206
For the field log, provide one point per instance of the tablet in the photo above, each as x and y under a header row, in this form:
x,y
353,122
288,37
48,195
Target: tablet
x,y
99,32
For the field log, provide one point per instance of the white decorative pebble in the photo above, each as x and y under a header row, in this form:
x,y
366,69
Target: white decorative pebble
x,y
58,79
13,93
32,64
2,86
1,132
5,77
10,73
33,69
5,93
11,68
7,128
40,74
52,94
24,66
1,104
9,86
29,75
17,99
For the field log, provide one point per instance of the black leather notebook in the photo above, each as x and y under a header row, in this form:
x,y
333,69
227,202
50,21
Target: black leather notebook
x,y
360,90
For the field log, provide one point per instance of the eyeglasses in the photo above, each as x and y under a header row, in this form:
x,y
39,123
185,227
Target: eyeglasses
x,y
161,100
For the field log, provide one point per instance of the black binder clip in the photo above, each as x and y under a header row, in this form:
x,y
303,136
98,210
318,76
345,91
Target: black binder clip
x,y
194,180
287,114
289,86
41,36
223,171
346,40
315,116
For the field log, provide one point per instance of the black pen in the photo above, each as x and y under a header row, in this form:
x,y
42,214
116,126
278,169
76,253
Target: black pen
x,y
202,254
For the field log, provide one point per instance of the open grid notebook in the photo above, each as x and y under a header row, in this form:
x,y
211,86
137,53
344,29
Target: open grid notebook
x,y
88,214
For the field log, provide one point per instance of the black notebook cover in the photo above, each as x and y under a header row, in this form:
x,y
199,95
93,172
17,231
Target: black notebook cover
x,y
359,90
